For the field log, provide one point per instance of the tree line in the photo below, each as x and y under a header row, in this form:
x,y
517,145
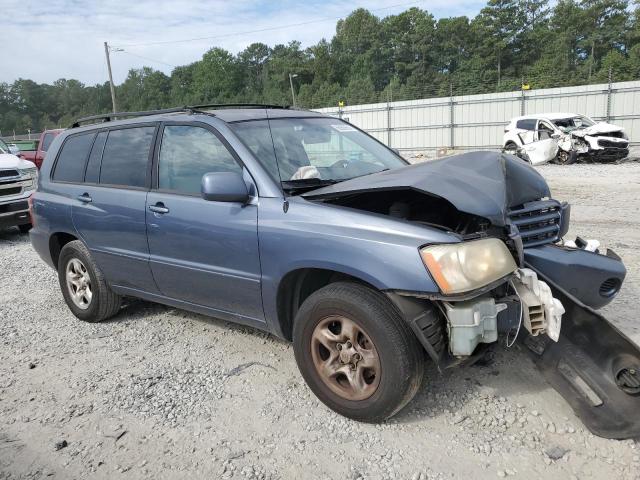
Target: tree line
x,y
371,59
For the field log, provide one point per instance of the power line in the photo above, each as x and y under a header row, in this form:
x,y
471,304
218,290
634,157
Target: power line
x,y
267,29
146,58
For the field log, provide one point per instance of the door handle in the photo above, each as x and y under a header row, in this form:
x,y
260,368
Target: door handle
x,y
158,208
85,198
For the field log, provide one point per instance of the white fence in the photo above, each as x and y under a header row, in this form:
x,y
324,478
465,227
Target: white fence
x,y
471,122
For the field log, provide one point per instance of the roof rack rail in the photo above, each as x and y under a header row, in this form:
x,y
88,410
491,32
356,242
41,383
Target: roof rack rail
x,y
107,117
241,105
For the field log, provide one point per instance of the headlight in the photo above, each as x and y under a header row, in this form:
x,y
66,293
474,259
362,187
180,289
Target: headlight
x,y
30,174
465,266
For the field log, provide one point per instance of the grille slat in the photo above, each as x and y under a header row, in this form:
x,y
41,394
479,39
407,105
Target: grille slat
x,y
538,222
9,173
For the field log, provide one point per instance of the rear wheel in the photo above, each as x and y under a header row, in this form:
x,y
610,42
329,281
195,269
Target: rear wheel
x,y
83,285
511,148
25,228
356,353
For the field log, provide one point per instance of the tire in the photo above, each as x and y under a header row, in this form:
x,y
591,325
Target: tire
x,y
510,148
103,303
381,331
565,158
25,228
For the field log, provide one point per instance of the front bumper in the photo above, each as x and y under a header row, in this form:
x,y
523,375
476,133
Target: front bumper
x,y
15,212
609,154
594,366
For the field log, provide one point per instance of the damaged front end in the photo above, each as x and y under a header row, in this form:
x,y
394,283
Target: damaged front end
x,y
601,142
511,273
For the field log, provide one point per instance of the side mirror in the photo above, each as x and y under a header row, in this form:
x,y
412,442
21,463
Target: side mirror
x,y
224,187
14,150
556,135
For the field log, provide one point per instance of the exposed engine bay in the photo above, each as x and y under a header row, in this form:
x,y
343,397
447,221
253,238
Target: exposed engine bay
x,y
548,299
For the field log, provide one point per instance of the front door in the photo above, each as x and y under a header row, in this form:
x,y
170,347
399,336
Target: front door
x,y
202,252
539,145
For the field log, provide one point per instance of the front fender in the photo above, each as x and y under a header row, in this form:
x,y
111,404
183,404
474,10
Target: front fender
x,y
380,251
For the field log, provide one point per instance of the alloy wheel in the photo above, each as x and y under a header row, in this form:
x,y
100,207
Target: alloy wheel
x,y
78,283
345,358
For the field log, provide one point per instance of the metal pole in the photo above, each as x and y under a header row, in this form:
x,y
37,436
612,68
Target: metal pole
x,y
451,129
113,90
293,93
388,122
522,97
609,92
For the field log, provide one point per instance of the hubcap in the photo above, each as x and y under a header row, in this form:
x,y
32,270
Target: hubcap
x,y
78,283
345,358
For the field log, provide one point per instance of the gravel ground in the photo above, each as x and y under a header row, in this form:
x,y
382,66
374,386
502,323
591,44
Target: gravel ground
x,y
162,393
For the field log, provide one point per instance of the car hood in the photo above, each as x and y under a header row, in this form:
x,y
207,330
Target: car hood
x,y
11,161
486,184
599,128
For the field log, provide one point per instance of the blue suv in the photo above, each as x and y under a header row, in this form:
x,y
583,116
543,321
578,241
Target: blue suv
x,y
304,226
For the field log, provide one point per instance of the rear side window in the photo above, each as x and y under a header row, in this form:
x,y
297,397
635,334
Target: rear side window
x,y
126,156
526,124
186,154
46,141
73,158
93,165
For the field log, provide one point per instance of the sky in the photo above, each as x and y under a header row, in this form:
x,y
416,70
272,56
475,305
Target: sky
x,y
45,41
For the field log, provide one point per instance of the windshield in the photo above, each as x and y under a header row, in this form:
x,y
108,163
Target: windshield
x,y
572,123
314,149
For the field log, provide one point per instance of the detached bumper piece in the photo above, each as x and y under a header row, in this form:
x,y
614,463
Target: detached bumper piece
x,y
594,279
594,366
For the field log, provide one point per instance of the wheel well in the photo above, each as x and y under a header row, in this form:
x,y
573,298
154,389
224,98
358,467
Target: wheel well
x,y
297,285
56,242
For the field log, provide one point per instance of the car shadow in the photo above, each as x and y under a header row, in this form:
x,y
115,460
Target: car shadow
x,y
13,235
136,309
502,372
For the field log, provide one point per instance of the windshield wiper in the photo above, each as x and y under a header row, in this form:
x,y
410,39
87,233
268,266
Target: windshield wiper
x,y
306,184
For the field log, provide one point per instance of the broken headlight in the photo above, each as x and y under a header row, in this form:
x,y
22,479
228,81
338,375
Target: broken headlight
x,y
465,266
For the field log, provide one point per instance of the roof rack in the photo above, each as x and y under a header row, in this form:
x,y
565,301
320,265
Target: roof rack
x,y
107,117
241,105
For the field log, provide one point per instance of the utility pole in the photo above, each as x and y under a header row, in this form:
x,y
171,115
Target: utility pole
x,y
293,93
113,90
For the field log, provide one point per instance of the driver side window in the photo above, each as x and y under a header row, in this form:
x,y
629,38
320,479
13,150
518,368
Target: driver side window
x,y
186,154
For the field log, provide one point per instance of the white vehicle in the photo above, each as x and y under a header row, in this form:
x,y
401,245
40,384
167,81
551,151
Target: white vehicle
x,y
564,137
18,180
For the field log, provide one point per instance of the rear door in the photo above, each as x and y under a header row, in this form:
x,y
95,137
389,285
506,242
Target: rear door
x,y
202,252
109,209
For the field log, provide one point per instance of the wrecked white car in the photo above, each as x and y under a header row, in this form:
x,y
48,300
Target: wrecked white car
x,y
564,138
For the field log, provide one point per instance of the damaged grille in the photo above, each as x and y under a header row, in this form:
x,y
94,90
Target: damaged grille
x,y
538,222
611,144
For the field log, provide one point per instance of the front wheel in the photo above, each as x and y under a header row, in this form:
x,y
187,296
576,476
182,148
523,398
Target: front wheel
x,y
565,158
356,353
